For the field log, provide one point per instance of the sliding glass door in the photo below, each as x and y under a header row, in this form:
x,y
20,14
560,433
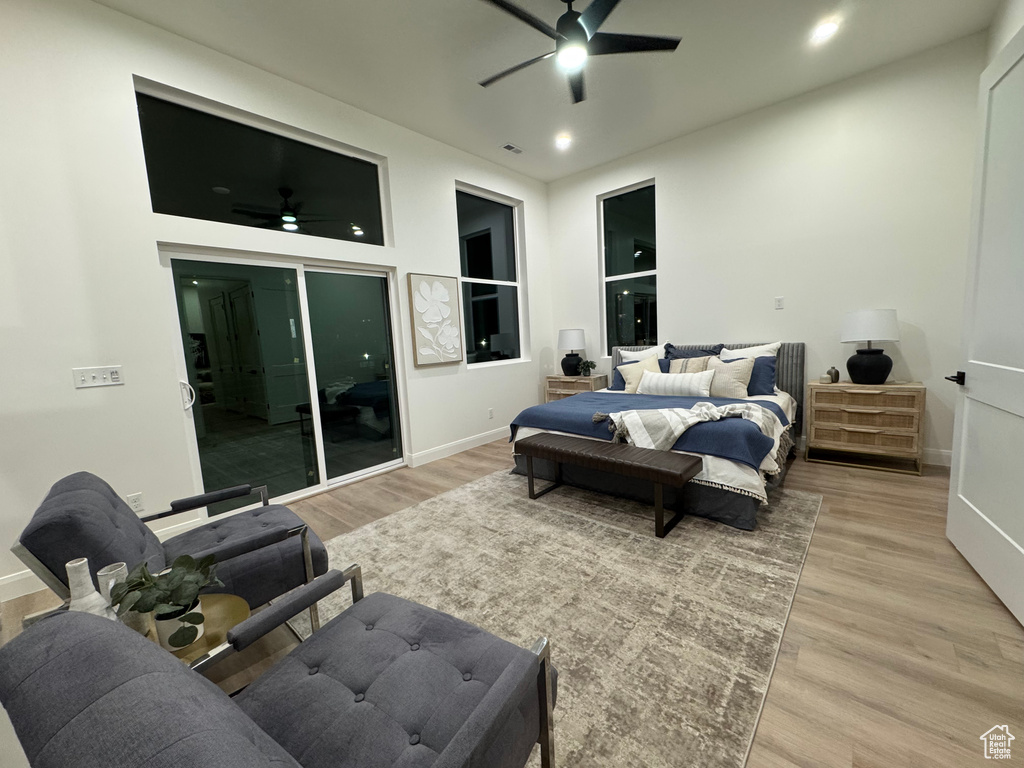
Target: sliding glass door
x,y
350,326
255,374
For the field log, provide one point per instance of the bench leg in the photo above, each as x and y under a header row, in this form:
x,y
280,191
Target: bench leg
x,y
529,478
660,529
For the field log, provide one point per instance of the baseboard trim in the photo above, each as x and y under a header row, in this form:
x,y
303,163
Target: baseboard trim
x,y
938,457
450,449
19,584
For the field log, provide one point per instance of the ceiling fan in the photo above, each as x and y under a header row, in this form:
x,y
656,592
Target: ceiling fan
x,y
576,37
288,217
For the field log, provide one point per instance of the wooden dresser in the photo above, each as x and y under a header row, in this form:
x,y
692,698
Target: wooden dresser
x,y
866,425
558,387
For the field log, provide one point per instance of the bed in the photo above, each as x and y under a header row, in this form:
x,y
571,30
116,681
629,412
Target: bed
x,y
734,483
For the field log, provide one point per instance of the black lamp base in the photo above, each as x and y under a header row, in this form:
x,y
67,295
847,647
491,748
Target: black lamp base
x,y
869,366
571,364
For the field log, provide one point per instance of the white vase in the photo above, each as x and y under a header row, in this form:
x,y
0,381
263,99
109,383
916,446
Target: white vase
x,y
84,596
167,627
112,574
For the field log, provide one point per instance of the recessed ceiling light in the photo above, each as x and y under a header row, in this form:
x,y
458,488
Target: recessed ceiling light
x,y
563,141
825,31
195,282
290,227
571,57
222,190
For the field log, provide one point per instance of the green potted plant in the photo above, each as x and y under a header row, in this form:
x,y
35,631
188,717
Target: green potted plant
x,y
586,366
171,595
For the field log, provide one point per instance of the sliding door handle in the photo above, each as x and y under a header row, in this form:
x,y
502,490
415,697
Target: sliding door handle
x,y
188,395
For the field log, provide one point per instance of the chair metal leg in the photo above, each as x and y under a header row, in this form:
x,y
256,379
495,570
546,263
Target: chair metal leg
x,y
355,573
307,556
542,649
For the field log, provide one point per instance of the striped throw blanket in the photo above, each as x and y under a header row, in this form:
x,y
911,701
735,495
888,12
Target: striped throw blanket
x,y
660,429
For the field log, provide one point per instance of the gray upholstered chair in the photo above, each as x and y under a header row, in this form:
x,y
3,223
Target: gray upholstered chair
x,y
260,553
386,684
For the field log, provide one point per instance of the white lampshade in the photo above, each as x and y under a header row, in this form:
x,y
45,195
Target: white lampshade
x,y
871,325
571,338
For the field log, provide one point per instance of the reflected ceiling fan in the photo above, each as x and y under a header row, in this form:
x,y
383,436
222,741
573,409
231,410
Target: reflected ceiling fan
x,y
288,217
576,37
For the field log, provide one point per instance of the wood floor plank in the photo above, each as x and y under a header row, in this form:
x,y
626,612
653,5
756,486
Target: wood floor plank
x,y
896,653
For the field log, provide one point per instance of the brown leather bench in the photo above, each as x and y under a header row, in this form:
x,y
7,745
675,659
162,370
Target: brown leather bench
x,y
660,467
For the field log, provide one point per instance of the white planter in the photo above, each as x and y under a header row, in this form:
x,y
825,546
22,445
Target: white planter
x,y
167,627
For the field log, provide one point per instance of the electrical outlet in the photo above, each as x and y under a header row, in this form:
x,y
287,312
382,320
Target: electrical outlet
x,y
490,413
135,502
779,302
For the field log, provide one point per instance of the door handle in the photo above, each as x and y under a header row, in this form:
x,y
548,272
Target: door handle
x,y
960,378
188,395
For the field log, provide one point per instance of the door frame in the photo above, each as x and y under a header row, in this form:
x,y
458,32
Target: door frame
x,y
168,251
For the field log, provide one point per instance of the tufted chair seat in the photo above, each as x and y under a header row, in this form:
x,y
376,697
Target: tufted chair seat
x,y
82,516
393,682
387,684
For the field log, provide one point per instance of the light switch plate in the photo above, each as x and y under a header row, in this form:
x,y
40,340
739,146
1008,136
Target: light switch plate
x,y
101,376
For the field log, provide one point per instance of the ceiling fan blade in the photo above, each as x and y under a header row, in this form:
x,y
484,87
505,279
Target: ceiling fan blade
x,y
603,43
257,214
579,91
516,68
527,17
596,13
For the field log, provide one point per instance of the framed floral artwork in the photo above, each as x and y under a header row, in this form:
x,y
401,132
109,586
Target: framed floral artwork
x,y
436,324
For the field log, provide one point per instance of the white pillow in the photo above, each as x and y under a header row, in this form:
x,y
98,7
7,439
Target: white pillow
x,y
643,354
676,384
765,350
632,373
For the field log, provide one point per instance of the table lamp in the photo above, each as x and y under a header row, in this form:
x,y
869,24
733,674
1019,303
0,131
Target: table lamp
x,y
870,365
571,339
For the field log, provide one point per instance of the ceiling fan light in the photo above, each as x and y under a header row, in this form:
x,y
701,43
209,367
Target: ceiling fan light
x,y
571,57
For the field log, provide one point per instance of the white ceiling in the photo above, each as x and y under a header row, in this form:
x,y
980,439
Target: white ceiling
x,y
418,62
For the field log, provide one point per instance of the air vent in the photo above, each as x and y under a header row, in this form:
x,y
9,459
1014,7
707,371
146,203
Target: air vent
x,y
513,149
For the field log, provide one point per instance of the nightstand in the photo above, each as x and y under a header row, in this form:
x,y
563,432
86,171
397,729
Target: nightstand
x,y
865,425
558,387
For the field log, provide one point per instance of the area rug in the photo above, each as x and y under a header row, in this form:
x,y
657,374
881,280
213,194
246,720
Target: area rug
x,y
664,647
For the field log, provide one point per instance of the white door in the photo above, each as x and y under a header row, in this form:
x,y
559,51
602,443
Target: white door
x,y
986,497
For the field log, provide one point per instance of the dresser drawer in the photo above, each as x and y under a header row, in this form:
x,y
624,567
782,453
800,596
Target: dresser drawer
x,y
863,439
875,397
859,416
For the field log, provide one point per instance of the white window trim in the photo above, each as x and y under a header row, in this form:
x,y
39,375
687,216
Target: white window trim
x,y
519,283
605,278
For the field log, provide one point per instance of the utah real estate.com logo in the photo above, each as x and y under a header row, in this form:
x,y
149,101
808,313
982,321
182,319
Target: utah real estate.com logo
x,y
997,742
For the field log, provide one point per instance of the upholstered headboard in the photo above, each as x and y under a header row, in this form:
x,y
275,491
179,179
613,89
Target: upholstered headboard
x,y
789,370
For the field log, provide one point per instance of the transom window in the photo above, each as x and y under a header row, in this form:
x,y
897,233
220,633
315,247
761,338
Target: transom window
x,y
490,281
630,268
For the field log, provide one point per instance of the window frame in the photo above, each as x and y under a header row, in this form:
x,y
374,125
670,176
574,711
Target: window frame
x,y
605,278
519,268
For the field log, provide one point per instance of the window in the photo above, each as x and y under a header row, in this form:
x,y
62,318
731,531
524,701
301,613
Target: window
x,y
206,167
490,282
630,268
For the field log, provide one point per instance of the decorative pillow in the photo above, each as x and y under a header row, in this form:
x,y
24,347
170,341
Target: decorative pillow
x,y
688,364
677,384
619,384
731,379
632,374
672,352
762,378
762,350
629,357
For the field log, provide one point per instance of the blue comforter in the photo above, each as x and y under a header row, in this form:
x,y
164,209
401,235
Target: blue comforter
x,y
736,439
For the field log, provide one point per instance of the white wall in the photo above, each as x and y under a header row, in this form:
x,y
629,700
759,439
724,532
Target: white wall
x,y
82,283
854,196
1008,21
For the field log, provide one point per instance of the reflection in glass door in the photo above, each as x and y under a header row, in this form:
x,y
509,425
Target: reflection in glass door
x,y
242,332
350,326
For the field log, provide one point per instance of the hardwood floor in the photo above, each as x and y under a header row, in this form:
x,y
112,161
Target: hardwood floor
x,y
895,654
